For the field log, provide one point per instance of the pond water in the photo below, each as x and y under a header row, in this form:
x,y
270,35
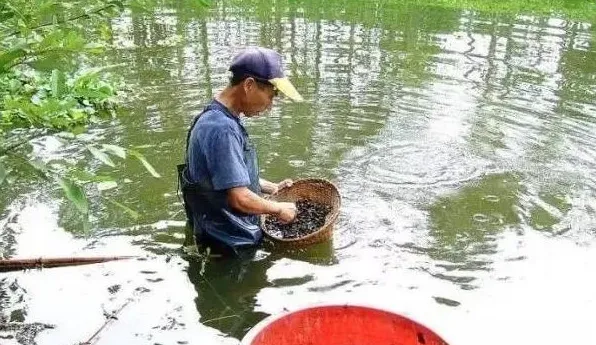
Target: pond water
x,y
463,144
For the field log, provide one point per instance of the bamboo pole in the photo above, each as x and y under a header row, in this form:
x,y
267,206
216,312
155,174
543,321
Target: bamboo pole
x,y
7,265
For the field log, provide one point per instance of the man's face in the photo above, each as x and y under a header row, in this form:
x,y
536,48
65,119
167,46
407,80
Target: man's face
x,y
259,96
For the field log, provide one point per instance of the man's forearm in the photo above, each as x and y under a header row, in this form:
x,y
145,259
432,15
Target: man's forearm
x,y
244,200
267,187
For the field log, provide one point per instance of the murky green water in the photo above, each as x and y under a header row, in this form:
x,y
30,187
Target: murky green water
x,y
463,143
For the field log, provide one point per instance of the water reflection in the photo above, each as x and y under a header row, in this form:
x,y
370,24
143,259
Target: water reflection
x,y
226,292
227,288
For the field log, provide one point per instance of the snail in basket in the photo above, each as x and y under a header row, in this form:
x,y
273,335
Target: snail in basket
x,y
311,216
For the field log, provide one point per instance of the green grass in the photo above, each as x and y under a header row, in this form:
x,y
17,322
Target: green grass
x,y
571,9
581,10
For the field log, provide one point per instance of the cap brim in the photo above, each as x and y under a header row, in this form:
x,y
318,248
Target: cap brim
x,y
285,86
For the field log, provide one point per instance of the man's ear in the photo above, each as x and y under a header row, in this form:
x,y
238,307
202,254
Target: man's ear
x,y
249,83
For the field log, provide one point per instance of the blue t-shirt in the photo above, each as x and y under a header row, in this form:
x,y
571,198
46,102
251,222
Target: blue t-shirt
x,y
216,149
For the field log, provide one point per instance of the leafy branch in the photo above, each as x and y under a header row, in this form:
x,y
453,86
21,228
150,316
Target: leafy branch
x,y
86,15
44,85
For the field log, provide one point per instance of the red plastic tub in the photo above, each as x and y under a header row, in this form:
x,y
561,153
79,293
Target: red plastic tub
x,y
340,325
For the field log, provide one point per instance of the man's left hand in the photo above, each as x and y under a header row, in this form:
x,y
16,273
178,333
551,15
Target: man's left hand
x,y
284,184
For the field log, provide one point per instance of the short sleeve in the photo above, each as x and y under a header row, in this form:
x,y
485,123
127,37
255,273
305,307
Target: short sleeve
x,y
225,160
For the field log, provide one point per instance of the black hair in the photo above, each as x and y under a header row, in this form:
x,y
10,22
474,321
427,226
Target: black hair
x,y
236,79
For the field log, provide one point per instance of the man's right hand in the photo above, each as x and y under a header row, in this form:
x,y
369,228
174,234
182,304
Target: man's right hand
x,y
287,212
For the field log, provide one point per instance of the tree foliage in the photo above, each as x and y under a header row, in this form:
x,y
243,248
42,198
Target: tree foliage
x,y
49,86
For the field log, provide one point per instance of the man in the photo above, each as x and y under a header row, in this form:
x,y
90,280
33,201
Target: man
x,y
220,180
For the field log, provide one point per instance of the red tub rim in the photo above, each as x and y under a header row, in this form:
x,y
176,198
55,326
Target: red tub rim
x,y
254,331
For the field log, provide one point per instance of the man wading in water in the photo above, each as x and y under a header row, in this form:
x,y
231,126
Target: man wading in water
x,y
220,181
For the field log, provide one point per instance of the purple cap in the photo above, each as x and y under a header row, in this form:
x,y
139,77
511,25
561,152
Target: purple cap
x,y
266,64
258,62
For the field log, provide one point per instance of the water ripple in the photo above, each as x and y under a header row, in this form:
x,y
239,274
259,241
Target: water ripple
x,y
409,165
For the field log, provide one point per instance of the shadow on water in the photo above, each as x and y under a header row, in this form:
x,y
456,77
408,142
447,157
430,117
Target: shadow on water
x,y
227,288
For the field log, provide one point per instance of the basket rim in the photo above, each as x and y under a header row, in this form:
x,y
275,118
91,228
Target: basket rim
x,y
330,219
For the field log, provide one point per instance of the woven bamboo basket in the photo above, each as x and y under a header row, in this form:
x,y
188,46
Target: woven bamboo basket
x,y
316,190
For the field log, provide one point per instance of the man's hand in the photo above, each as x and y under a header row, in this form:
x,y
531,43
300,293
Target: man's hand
x,y
284,184
272,188
287,212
